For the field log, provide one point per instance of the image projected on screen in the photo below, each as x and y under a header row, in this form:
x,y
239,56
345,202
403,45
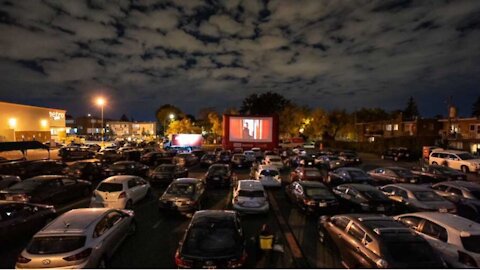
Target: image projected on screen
x,y
251,129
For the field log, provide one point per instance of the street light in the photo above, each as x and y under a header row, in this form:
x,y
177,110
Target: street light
x,y
101,102
171,117
12,122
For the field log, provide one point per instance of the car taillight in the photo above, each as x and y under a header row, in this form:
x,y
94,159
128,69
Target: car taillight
x,y
236,263
79,256
21,259
122,195
181,262
466,259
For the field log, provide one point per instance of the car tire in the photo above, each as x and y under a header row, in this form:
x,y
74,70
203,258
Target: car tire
x,y
434,163
129,205
464,169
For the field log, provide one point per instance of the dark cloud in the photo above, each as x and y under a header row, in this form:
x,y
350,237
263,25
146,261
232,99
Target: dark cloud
x,y
198,54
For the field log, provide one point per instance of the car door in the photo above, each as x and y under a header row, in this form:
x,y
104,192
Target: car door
x,y
104,237
336,229
133,190
454,161
199,192
454,194
357,253
437,236
142,187
118,225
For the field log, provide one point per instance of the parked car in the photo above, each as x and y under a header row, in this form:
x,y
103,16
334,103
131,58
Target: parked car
x,y
397,154
80,238
91,170
185,159
198,153
7,181
108,155
312,197
157,158
377,241
363,198
47,189
388,175
127,168
347,175
240,161
258,153
349,158
417,198
207,160
455,238
306,174
250,156
166,173
73,152
183,195
93,147
121,191
20,220
213,239
465,195
250,197
329,162
30,168
274,160
219,175
437,173
224,157
269,176
458,160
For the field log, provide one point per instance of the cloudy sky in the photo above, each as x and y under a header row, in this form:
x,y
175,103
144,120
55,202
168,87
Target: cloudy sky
x,y
194,54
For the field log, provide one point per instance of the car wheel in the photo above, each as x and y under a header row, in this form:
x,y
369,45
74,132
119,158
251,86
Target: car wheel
x,y
129,205
464,169
434,163
132,229
102,264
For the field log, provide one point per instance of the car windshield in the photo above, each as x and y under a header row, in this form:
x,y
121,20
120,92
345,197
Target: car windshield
x,y
318,192
165,169
250,193
470,243
55,244
426,196
269,173
374,195
403,173
357,174
466,156
401,251
110,187
28,184
312,173
212,237
181,189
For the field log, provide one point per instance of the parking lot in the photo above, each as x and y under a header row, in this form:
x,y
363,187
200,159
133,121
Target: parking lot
x,y
158,233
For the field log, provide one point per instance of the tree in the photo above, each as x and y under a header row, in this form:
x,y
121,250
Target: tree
x,y
204,112
264,104
162,114
183,126
411,111
370,115
337,120
319,122
216,121
231,110
291,120
476,108
124,118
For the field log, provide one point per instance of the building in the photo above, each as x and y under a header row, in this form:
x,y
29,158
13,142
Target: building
x,y
88,125
124,129
20,122
461,133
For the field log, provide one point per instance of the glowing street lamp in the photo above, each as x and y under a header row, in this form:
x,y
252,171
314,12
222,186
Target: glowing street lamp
x,y
12,122
101,102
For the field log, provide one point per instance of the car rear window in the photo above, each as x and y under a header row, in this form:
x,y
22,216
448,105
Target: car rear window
x,y
55,244
269,173
181,189
110,187
401,251
250,193
471,243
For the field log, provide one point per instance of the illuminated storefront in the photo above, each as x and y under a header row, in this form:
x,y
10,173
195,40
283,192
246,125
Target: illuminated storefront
x,y
25,123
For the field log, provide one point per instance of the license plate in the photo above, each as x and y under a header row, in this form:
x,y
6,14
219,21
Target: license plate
x,y
443,210
322,204
216,178
380,208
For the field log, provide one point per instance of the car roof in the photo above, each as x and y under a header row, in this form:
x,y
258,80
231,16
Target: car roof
x,y
47,177
311,184
214,214
448,151
360,187
74,221
118,179
350,169
250,185
410,187
451,221
187,180
461,184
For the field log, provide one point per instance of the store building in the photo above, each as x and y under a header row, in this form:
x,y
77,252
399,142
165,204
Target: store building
x,y
20,122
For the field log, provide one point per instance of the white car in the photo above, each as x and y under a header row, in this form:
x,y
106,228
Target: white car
x,y
269,176
458,160
120,191
249,196
456,238
274,160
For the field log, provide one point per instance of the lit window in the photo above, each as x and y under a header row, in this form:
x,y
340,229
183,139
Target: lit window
x,y
395,127
388,127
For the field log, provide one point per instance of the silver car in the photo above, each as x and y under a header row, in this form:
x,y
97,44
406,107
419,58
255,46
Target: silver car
x,y
249,196
80,238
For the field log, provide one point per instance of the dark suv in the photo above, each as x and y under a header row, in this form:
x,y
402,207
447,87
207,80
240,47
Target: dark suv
x,y
73,152
377,241
397,154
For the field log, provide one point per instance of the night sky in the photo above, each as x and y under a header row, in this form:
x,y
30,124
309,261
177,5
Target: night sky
x,y
195,54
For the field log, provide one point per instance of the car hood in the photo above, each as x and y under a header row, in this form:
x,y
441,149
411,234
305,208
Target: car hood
x,y
175,197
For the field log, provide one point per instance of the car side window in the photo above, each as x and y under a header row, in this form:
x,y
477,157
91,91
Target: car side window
x,y
356,232
101,228
435,230
455,191
440,187
389,190
390,173
412,222
140,181
380,171
402,193
68,182
131,183
113,218
54,183
352,192
341,189
340,222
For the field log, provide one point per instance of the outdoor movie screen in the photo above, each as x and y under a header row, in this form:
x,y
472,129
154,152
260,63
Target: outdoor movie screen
x,y
250,129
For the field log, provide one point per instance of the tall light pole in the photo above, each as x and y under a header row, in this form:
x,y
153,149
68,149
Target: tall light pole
x,y
101,102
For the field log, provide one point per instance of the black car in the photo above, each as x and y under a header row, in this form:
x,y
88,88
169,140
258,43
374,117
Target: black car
x,y
19,220
219,174
127,168
47,189
157,158
363,198
213,239
30,168
388,175
185,159
91,170
437,173
108,155
224,157
183,195
75,152
397,154
166,173
8,181
240,161
348,175
207,160
349,158
312,197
